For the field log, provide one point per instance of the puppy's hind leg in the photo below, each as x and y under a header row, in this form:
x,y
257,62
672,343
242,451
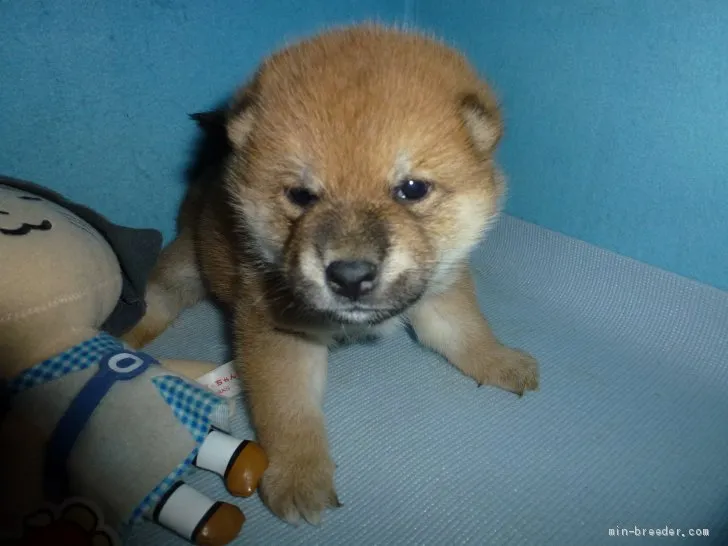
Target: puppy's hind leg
x,y
175,284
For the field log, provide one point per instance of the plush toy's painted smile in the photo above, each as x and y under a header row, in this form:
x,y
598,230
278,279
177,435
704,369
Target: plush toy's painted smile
x,y
24,228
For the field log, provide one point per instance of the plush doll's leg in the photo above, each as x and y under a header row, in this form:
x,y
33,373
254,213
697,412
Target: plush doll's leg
x,y
197,518
241,463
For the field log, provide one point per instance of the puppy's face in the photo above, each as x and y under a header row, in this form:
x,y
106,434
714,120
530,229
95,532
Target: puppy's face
x,y
362,169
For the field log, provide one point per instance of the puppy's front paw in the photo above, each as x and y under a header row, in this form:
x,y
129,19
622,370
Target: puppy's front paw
x,y
300,485
510,369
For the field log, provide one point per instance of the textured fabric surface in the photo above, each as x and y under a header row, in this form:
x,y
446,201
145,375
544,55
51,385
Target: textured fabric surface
x,y
195,408
79,357
192,405
628,429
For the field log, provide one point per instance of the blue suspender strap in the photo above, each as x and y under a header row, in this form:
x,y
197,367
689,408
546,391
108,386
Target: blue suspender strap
x,y
119,365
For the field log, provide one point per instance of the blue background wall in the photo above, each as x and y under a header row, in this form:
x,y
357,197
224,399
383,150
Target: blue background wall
x,y
94,96
617,110
617,119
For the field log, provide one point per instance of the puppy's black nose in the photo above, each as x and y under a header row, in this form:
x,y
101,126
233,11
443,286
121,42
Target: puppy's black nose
x,y
351,278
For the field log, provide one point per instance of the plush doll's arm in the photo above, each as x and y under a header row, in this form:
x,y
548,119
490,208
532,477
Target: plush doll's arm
x,y
191,369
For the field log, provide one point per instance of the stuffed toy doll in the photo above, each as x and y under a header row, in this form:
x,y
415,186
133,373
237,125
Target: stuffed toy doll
x,y
83,416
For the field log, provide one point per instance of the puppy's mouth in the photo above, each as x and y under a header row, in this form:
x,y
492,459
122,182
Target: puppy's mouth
x,y
386,301
361,315
359,287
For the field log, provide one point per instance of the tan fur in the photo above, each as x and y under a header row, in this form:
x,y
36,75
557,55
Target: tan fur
x,y
451,323
348,115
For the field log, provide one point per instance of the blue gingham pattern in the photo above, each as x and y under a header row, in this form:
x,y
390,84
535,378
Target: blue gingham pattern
x,y
194,407
192,404
150,501
79,357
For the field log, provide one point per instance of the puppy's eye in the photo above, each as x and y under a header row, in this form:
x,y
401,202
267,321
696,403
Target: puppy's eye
x,y
301,197
412,190
29,198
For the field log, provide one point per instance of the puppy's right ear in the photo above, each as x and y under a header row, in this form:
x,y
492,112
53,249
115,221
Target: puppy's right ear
x,y
240,115
483,119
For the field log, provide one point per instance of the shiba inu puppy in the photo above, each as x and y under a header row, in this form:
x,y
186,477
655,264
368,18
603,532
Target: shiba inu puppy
x,y
357,176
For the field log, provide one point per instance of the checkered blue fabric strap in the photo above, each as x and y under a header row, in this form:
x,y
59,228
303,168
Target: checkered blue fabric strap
x,y
117,364
77,358
195,407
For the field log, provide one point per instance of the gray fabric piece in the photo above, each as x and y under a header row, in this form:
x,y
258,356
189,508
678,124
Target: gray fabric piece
x,y
629,427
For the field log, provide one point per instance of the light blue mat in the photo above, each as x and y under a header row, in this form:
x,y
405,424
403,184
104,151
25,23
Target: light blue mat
x,y
630,427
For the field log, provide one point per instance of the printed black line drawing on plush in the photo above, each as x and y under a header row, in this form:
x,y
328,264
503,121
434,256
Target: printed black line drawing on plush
x,y
25,227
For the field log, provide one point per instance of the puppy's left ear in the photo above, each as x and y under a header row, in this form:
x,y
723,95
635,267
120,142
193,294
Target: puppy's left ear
x,y
482,118
212,121
242,113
